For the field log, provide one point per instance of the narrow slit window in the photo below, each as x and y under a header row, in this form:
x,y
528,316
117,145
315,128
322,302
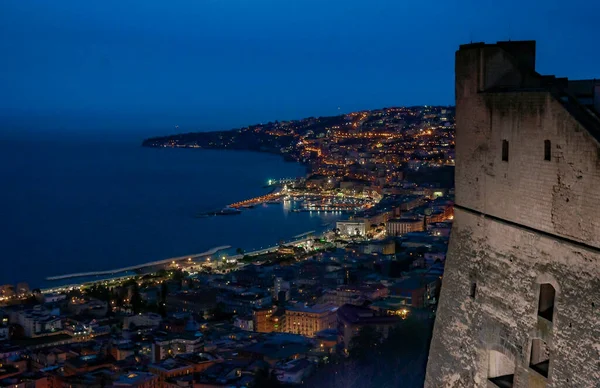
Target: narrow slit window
x,y
547,150
473,290
505,150
546,303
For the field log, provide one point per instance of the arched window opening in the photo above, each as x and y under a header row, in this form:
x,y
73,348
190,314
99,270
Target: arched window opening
x,y
546,303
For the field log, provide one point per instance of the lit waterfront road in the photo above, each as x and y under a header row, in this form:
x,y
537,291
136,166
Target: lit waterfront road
x,y
134,267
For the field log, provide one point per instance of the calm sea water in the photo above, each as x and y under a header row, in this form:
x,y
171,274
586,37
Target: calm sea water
x,y
72,206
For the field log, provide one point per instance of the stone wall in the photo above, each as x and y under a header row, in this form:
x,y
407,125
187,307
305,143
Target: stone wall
x,y
518,224
560,196
503,315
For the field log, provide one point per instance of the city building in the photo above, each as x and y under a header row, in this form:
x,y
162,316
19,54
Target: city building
x,y
282,288
87,363
4,332
265,320
277,349
38,321
244,322
137,380
142,320
519,304
234,373
46,357
294,372
351,228
88,306
244,302
353,294
417,291
400,226
170,368
25,380
351,318
308,321
171,344
197,301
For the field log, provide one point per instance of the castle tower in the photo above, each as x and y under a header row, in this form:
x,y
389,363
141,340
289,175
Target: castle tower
x,y
520,302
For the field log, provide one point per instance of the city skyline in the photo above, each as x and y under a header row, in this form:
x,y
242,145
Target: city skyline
x,y
149,68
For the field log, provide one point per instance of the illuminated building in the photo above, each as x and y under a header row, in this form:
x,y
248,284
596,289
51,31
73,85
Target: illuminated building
x,y
263,320
307,321
400,226
172,344
351,228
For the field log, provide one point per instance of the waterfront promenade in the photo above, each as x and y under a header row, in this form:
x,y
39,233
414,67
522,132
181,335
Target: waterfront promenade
x,y
140,266
299,239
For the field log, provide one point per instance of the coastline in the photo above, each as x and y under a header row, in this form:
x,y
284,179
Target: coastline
x,y
205,254
305,165
210,252
141,201
297,239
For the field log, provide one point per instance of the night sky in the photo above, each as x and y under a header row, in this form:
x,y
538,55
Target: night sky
x,y
146,66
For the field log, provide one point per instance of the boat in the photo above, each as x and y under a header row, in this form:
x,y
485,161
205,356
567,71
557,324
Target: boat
x,y
228,211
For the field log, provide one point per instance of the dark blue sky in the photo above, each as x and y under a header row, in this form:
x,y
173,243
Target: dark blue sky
x,y
145,66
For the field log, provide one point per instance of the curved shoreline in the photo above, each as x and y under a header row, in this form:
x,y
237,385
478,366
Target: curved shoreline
x,y
210,252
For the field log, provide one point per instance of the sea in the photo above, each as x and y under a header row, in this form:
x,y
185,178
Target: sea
x,y
79,205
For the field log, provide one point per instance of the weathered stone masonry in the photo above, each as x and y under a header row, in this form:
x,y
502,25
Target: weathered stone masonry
x,y
520,302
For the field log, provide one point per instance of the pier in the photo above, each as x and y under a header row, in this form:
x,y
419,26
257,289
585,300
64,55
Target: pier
x,y
257,200
139,266
282,181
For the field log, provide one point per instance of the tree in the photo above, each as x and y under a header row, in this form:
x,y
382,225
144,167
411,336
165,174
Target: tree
x,y
162,309
136,299
179,275
239,251
262,378
162,273
164,291
365,344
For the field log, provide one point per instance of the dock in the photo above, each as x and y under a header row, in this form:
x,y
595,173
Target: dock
x,y
257,200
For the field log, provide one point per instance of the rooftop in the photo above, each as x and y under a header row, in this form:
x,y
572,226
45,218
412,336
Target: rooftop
x,y
316,309
277,350
134,378
363,315
170,364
